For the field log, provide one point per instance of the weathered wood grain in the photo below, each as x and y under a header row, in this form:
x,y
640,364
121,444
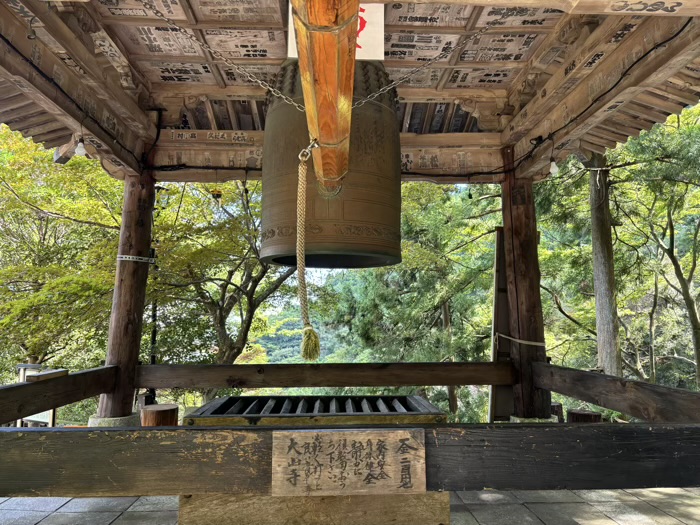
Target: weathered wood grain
x,y
654,403
24,399
338,375
523,283
159,415
559,456
348,462
431,508
87,462
129,296
500,396
326,35
134,462
36,78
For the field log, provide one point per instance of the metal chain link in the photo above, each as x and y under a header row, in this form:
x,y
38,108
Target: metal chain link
x,y
447,52
277,93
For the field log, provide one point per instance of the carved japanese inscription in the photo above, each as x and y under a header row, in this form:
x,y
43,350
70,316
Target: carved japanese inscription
x,y
333,463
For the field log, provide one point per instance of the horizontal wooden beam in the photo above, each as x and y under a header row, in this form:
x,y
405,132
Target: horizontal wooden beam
x,y
139,462
25,399
654,403
217,156
327,375
590,7
406,93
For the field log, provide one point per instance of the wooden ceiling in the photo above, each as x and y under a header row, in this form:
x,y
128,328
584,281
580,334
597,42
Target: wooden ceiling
x,y
546,79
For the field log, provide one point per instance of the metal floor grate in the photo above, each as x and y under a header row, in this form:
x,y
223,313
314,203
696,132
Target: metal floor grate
x,y
281,410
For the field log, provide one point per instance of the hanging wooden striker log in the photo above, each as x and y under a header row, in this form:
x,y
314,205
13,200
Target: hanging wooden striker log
x,y
357,227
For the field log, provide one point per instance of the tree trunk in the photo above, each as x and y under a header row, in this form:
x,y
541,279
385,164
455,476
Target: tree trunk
x,y
447,326
652,330
607,323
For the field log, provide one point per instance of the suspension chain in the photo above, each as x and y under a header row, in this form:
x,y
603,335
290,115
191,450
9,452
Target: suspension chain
x,y
148,4
444,54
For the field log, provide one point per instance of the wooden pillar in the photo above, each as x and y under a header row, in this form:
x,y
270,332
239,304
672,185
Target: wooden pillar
x,y
500,396
523,283
129,294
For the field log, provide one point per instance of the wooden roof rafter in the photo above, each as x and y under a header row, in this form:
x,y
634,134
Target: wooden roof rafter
x,y
522,98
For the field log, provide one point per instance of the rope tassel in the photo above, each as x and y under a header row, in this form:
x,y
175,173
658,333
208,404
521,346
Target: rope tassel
x,y
310,342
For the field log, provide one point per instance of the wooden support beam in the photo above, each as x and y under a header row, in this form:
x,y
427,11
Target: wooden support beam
x,y
129,294
218,156
326,375
113,462
500,396
653,403
588,52
91,71
25,399
523,282
326,36
58,89
406,93
657,49
592,7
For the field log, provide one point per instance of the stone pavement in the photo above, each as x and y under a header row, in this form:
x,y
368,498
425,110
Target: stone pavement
x,y
488,507
577,507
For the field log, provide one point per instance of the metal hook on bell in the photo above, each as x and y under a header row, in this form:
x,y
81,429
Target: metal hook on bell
x,y
305,154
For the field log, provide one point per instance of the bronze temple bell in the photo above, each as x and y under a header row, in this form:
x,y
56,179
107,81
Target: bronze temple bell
x,y
360,226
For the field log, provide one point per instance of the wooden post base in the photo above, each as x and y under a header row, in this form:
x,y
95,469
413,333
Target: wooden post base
x,y
583,416
431,508
159,416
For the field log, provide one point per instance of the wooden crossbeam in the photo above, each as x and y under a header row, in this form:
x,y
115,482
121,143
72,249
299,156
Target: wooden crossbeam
x,y
406,93
58,89
24,399
585,56
218,156
654,51
658,404
591,7
139,462
327,375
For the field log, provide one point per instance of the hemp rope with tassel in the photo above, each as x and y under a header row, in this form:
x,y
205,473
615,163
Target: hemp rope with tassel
x,y
310,343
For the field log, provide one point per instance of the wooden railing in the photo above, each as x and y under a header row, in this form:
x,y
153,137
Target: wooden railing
x,y
128,462
324,375
646,401
24,399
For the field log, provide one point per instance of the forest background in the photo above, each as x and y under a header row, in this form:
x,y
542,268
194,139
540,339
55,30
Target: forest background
x,y
627,234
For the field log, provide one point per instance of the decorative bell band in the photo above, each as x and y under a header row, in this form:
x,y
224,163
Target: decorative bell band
x,y
134,258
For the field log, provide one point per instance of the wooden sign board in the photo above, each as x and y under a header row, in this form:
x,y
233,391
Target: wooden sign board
x,y
427,78
134,8
438,15
534,17
352,462
418,47
481,77
504,47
